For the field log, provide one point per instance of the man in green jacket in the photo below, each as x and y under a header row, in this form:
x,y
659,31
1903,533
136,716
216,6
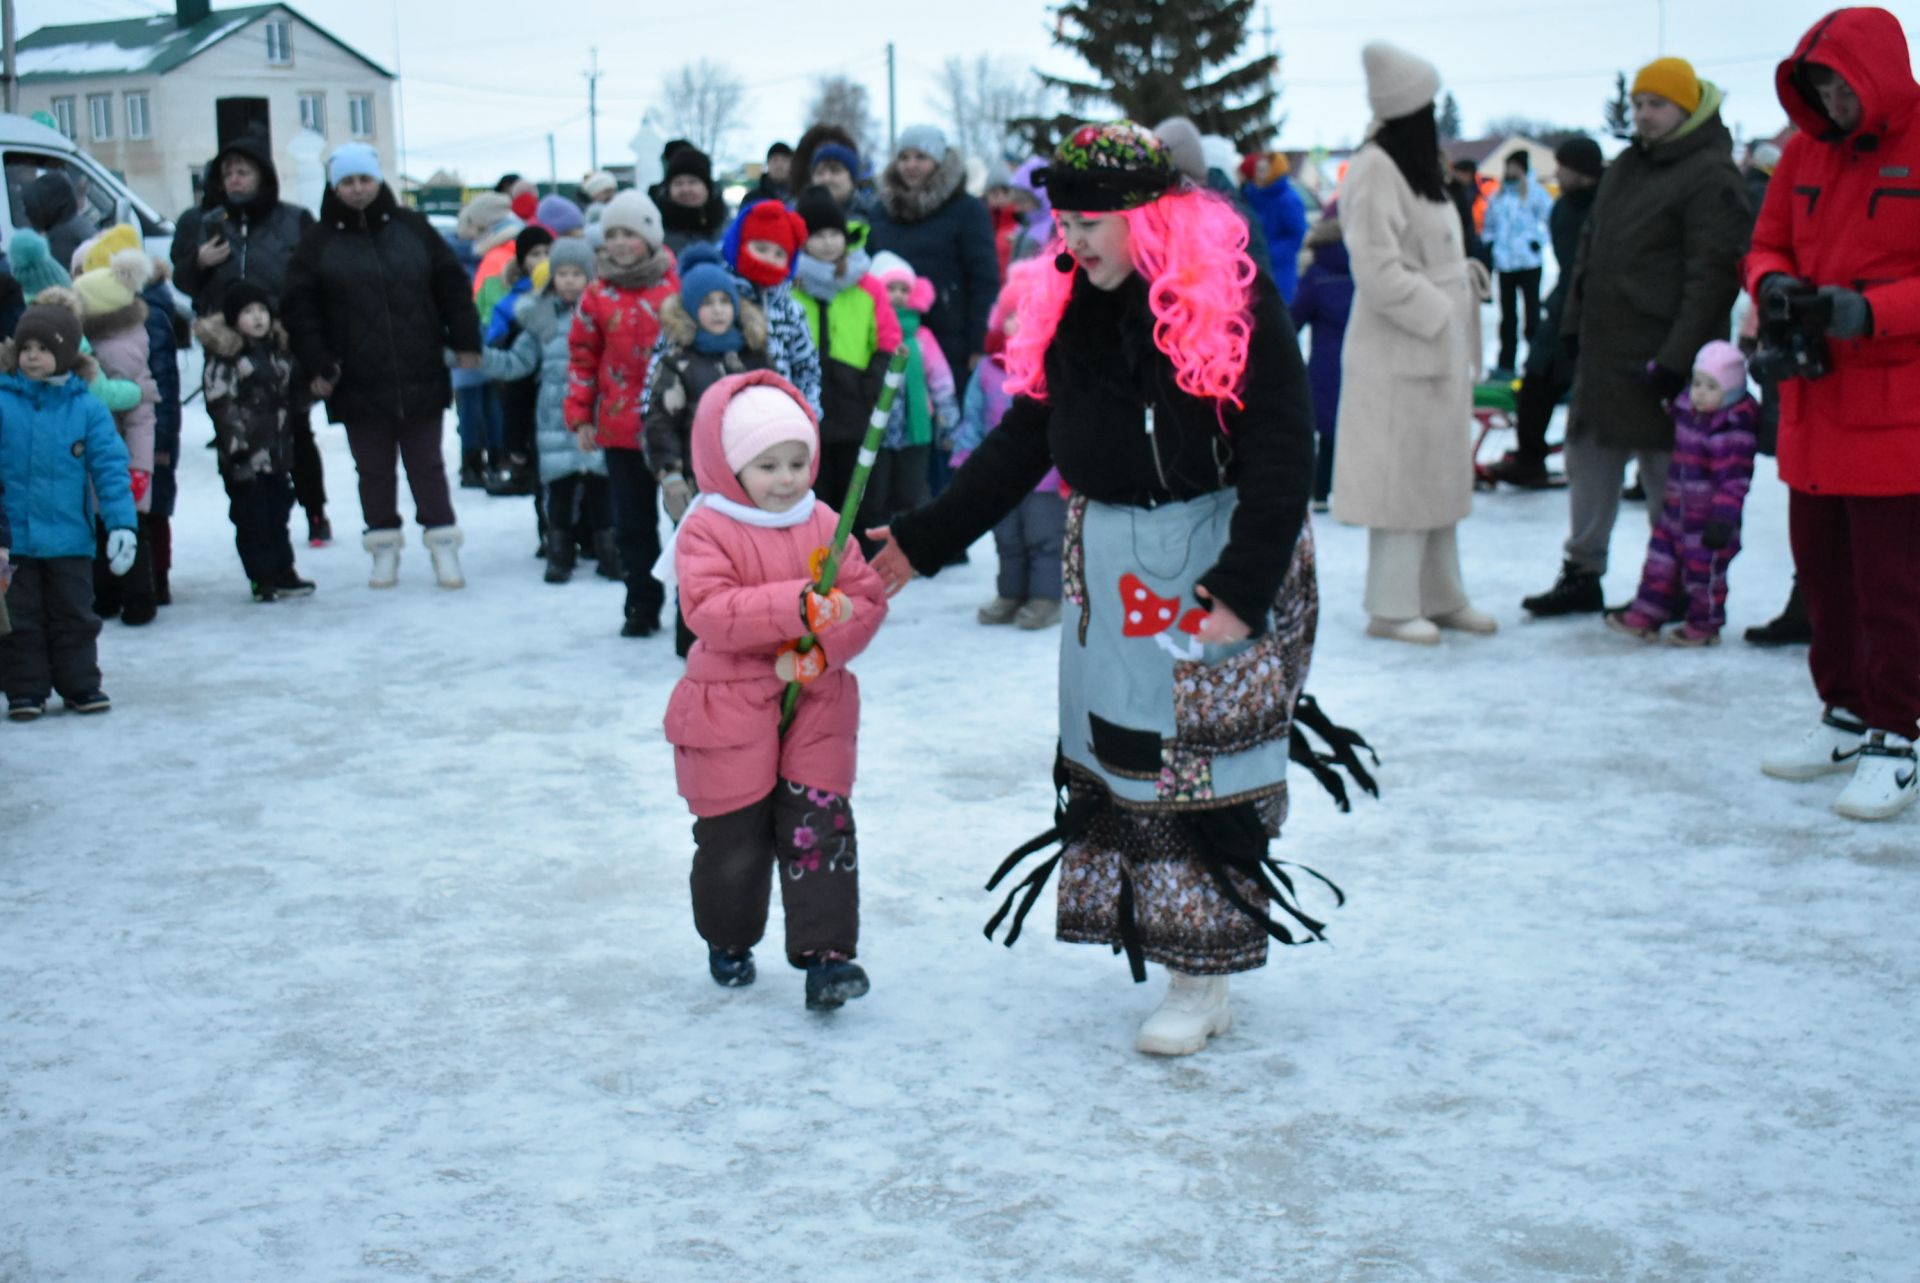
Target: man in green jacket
x,y
1657,274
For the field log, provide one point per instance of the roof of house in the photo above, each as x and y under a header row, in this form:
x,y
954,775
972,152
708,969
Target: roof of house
x,y
150,46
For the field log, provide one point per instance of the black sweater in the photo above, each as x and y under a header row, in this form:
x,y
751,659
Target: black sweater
x,y
1102,371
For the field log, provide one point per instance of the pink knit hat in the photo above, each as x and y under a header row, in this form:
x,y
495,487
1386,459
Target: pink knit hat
x,y
1722,362
759,418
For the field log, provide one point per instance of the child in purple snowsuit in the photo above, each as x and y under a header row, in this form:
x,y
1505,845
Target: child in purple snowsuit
x,y
1699,531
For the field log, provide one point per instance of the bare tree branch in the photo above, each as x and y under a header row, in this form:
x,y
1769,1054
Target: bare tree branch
x,y
980,100
705,103
843,102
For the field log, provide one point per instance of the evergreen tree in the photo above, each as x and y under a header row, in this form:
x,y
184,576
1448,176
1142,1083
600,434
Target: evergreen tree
x,y
1154,59
1619,112
1449,121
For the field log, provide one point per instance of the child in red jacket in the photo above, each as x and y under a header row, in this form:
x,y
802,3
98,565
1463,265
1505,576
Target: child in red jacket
x,y
744,556
614,328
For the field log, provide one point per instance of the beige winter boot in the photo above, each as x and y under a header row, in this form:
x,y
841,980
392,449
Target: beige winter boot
x,y
1194,1009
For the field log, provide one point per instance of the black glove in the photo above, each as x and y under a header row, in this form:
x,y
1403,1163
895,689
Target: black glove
x,y
1778,283
1666,384
1718,535
1850,315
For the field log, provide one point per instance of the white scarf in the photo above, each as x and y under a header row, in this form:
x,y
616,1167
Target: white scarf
x,y
744,513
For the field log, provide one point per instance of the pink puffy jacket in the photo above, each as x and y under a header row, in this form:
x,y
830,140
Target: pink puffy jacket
x,y
740,590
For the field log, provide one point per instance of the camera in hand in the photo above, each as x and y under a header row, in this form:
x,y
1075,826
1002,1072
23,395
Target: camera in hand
x,y
1793,335
213,225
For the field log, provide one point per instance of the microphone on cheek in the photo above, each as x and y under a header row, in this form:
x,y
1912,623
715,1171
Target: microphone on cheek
x,y
1063,263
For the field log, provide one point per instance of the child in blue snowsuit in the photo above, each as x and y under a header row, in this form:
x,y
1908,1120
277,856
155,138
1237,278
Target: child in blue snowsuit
x,y
1321,306
55,437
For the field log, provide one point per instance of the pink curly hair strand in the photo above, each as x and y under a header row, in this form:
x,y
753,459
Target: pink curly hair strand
x,y
1191,248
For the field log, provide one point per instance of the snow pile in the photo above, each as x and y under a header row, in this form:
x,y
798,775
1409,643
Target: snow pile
x,y
355,944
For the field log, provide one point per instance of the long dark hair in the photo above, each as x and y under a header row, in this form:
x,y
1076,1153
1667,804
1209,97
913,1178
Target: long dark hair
x,y
1414,143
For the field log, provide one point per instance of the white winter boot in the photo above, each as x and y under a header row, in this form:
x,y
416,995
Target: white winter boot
x,y
385,547
443,544
1885,783
1828,749
1194,1008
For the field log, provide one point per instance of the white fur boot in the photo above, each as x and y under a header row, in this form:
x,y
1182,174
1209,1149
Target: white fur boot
x,y
1194,1009
443,544
385,547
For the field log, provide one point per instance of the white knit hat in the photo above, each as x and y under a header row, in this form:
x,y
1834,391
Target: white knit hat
x,y
759,418
635,211
598,183
1398,83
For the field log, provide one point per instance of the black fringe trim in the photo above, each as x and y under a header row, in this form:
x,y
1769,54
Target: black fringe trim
x,y
1341,744
1232,840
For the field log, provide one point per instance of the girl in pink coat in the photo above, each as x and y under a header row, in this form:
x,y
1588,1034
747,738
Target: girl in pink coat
x,y
744,556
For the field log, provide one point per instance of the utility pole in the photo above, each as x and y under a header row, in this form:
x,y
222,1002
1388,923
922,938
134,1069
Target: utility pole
x,y
553,167
1662,47
891,144
1266,30
593,110
9,82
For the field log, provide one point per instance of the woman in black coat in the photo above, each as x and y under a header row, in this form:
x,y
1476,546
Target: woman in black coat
x,y
374,298
1180,418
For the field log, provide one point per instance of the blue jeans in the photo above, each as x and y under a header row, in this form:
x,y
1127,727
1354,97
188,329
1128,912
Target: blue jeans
x,y
481,427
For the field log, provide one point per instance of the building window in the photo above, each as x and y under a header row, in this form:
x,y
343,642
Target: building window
x,y
360,114
139,122
280,42
100,115
313,113
63,118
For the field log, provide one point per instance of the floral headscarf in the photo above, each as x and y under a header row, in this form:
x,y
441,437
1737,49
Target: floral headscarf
x,y
1103,168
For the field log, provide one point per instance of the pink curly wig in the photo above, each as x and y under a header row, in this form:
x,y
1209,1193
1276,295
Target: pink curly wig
x,y
1191,248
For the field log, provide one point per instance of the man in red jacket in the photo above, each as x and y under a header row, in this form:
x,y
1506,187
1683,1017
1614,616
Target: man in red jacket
x,y
1842,218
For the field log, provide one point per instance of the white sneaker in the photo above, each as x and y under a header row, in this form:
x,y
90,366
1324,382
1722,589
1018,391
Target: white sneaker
x,y
385,547
1195,1008
443,544
1885,783
1827,749
1421,632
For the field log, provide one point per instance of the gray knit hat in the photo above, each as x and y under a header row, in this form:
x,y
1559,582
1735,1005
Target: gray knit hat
x,y
1182,138
571,251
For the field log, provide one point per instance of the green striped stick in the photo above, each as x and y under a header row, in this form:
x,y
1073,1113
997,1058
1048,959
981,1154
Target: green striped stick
x,y
856,490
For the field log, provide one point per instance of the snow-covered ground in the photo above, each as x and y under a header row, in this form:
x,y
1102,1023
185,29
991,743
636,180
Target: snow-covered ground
x,y
355,944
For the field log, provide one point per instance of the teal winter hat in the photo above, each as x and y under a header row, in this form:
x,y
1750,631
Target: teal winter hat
x,y
33,265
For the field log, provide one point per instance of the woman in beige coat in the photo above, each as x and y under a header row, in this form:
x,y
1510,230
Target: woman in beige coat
x,y
1405,468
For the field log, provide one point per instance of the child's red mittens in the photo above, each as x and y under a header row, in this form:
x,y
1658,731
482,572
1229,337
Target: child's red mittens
x,y
141,481
795,665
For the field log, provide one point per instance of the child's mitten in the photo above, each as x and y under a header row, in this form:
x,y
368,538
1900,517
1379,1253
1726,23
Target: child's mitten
x,y
795,665
141,481
1717,535
121,549
824,612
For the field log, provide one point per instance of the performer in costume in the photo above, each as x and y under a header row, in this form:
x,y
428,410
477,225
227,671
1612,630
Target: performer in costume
x,y
1158,371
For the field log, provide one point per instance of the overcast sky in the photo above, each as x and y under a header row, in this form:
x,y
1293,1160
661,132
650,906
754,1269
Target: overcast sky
x,y
484,81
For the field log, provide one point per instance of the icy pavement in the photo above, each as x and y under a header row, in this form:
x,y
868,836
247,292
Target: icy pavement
x,y
355,944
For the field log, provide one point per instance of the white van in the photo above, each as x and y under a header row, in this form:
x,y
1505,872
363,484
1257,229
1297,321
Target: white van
x,y
29,149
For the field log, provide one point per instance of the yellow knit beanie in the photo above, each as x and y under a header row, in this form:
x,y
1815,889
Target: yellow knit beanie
x,y
1673,79
102,248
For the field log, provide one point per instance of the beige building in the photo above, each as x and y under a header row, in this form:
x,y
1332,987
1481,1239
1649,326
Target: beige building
x,y
145,96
